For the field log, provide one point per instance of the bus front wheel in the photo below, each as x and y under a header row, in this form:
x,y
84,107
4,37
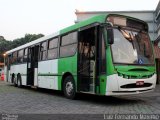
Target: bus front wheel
x,y
69,87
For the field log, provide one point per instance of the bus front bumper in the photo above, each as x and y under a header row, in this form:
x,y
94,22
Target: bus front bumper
x,y
117,85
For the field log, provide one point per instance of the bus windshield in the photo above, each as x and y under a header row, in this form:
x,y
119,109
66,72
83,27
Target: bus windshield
x,y
131,46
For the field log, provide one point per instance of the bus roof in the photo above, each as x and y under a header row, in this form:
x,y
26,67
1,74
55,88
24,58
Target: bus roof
x,y
99,18
33,42
96,19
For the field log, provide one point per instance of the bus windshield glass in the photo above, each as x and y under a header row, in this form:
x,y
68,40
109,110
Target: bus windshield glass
x,y
131,46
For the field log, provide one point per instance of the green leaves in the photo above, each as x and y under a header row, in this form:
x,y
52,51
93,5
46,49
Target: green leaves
x,y
6,45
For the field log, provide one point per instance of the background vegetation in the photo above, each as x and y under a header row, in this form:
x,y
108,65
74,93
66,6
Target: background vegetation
x,y
6,45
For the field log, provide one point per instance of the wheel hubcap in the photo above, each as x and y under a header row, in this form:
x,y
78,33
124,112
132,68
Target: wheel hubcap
x,y
69,88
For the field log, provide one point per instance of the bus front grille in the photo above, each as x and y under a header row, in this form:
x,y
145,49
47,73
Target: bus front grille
x,y
134,76
133,85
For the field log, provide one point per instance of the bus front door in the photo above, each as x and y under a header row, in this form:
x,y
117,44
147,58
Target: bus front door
x,y
87,76
32,65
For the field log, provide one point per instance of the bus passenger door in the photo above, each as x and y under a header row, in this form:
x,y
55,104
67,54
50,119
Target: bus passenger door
x,y
87,62
32,65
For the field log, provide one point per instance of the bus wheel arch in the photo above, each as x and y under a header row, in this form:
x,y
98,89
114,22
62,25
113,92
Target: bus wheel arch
x,y
68,85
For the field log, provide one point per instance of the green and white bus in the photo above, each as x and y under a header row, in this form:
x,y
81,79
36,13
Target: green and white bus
x,y
104,55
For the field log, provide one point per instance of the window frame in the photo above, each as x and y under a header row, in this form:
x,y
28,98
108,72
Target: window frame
x,y
25,55
71,32
21,57
60,42
15,61
40,52
57,47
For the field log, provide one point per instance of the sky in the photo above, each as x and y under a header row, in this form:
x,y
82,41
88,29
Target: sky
x,y
19,17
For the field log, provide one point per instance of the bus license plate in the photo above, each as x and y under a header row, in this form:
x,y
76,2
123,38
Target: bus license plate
x,y
139,83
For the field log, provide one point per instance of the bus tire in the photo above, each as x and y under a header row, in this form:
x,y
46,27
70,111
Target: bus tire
x,y
69,88
19,81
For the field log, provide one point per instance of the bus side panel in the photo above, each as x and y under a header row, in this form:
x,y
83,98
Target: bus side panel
x,y
12,70
48,74
22,70
110,68
102,84
67,65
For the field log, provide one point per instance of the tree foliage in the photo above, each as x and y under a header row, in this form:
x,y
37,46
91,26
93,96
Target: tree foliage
x,y
6,45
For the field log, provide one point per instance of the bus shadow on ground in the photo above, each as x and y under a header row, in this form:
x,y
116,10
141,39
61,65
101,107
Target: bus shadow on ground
x,y
110,100
95,99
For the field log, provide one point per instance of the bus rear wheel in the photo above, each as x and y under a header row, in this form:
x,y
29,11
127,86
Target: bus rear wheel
x,y
69,87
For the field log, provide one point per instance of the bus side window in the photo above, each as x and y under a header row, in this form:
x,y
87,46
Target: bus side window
x,y
68,45
52,48
20,56
43,49
14,58
25,55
